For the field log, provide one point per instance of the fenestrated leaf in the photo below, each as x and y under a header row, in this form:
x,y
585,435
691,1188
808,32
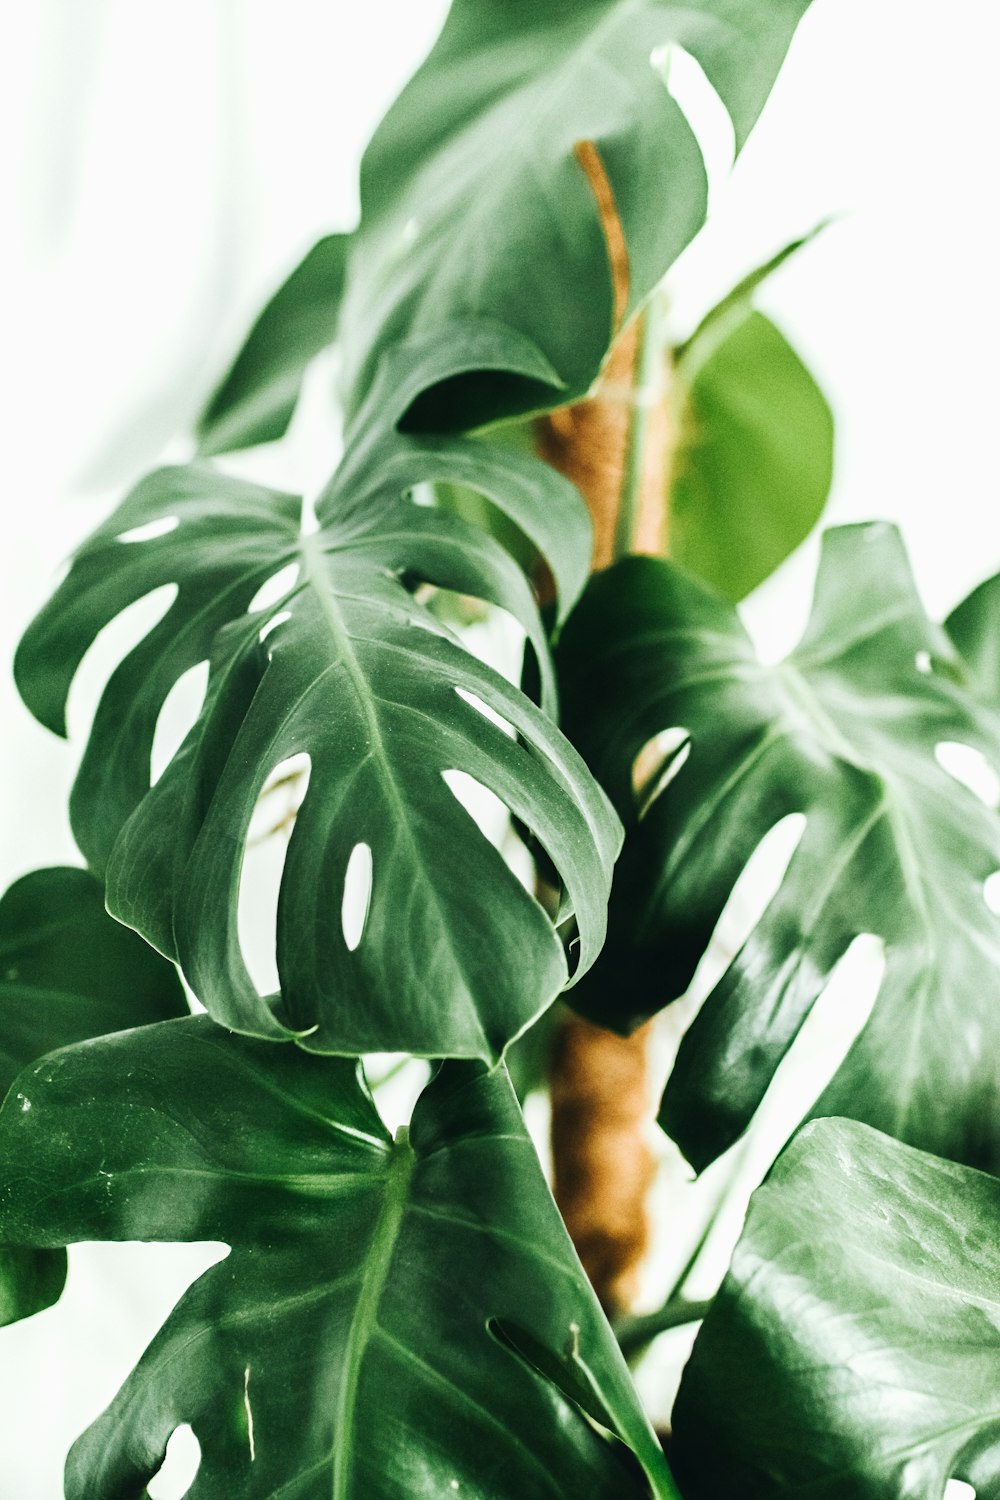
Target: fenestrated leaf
x,y
255,401
975,629
394,1318
853,1352
67,972
456,956
844,731
541,503
754,466
537,145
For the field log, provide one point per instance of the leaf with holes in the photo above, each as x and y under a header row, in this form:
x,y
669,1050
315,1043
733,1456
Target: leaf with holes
x,y
67,972
349,668
848,732
543,135
861,1363
255,401
539,505
755,462
394,1318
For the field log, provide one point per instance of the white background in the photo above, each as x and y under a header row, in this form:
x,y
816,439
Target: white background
x,y
166,163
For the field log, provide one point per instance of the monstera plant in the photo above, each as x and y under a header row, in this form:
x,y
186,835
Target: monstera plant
x,y
477,857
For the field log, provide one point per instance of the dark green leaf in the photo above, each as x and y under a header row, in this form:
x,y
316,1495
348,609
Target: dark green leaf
x,y
255,401
536,134
67,972
456,956
394,1319
30,1281
753,470
854,1350
544,506
975,629
845,731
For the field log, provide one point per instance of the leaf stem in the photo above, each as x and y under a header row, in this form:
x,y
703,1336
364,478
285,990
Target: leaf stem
x,y
635,1333
647,393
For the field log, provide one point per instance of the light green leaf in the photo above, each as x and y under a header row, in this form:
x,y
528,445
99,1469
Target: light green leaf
x,y
456,957
853,1352
67,972
845,731
754,466
394,1318
536,136
255,401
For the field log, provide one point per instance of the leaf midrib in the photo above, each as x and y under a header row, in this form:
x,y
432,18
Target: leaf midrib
x,y
383,1246
313,556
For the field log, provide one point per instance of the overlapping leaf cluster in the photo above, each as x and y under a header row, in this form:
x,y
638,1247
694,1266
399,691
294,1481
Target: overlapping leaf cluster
x,y
402,1317
406,1317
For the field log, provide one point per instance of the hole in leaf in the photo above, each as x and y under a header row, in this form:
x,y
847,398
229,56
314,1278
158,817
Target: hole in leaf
x,y
958,1489
656,765
490,815
826,1036
970,767
274,588
991,892
263,866
150,531
396,1081
356,902
689,87
486,711
923,662
110,646
179,1468
756,886
177,716
273,623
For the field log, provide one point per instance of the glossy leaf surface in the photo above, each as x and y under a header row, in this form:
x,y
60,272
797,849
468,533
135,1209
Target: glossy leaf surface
x,y
544,506
756,458
255,401
393,1319
67,972
854,1349
351,670
845,731
537,146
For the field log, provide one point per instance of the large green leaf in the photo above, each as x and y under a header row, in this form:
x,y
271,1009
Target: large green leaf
x,y
394,1318
853,1352
255,401
753,470
544,506
456,956
536,135
67,972
844,731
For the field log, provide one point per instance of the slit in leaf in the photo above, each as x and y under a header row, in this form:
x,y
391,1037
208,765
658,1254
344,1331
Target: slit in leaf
x,y
356,901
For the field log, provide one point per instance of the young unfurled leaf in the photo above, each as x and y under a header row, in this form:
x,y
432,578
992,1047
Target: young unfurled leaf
x,y
755,462
455,956
255,401
848,731
67,972
394,1318
536,175
854,1349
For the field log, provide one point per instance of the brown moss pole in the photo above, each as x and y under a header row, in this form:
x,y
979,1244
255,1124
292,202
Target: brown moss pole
x,y
616,448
